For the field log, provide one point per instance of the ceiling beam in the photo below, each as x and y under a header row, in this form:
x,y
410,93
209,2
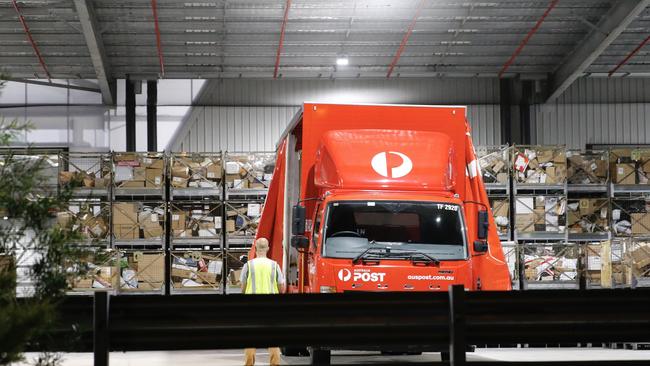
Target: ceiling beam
x,y
28,33
405,40
95,45
629,56
281,42
610,27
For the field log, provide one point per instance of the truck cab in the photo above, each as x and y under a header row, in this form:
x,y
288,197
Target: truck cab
x,y
381,198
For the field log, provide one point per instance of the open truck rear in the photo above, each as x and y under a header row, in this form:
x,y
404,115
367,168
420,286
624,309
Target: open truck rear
x,y
381,198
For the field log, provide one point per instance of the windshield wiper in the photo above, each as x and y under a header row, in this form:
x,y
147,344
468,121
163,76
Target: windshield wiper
x,y
411,253
395,253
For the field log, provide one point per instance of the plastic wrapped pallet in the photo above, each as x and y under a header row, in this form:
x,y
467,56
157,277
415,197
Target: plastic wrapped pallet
x,y
138,220
196,220
249,171
588,215
197,270
501,213
196,170
630,217
87,170
588,167
539,165
141,271
242,218
540,214
493,161
139,170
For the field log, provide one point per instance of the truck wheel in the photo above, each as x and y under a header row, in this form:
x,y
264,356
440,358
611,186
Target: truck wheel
x,y
294,351
319,356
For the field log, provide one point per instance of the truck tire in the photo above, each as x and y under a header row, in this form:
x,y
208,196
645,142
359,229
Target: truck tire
x,y
294,351
319,356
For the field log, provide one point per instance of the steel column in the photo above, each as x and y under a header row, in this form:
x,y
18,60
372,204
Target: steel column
x,y
130,115
457,340
152,117
100,329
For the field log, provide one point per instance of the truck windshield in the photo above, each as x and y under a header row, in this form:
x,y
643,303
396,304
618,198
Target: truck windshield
x,y
435,229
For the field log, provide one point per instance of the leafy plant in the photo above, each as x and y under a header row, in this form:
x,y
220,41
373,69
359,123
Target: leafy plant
x,y
28,228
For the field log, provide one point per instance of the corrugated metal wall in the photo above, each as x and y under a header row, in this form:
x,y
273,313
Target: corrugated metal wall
x,y
576,125
259,128
247,115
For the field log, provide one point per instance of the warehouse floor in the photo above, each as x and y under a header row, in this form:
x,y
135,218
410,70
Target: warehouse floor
x,y
234,357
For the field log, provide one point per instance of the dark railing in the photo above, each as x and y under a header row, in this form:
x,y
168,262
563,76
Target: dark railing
x,y
435,321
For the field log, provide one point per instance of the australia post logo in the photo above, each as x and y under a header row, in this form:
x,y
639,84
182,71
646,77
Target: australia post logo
x,y
391,164
362,275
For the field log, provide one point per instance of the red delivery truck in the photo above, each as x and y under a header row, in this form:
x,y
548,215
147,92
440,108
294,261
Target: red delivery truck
x,y
381,198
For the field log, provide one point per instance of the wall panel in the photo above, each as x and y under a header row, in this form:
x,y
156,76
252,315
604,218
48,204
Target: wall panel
x,y
578,124
259,128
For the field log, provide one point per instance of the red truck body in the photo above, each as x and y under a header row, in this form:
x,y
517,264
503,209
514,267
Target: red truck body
x,y
392,196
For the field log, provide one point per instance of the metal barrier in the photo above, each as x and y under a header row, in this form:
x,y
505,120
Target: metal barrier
x,y
433,321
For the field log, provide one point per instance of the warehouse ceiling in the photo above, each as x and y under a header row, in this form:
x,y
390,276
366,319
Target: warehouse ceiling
x,y
102,39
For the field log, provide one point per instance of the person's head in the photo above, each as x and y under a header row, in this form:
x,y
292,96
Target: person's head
x,y
261,247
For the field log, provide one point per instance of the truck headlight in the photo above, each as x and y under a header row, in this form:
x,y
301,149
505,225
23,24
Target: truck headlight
x,y
327,289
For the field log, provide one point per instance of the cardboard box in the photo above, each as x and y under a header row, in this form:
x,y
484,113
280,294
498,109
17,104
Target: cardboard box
x,y
624,174
102,182
178,220
230,226
182,273
640,256
125,213
525,223
179,182
139,174
132,184
640,223
125,157
152,232
153,163
64,219
126,232
180,171
154,177
234,277
150,286
230,178
214,171
151,268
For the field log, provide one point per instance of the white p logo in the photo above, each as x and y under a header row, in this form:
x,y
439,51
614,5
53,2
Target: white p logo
x,y
380,165
345,275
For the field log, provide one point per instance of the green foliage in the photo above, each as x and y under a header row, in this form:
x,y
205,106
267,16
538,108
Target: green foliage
x,y
27,225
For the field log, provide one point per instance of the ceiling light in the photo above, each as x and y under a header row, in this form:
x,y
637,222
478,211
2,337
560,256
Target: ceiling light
x,y
342,61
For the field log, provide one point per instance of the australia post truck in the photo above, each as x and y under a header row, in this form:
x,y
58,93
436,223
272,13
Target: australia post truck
x,y
381,198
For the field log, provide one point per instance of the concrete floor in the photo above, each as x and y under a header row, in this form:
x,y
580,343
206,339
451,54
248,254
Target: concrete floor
x,y
235,357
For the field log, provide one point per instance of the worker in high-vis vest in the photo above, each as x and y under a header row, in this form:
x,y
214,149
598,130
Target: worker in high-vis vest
x,y
262,276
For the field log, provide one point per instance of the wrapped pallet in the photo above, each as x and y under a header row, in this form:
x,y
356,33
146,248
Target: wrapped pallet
x,y
588,215
249,171
198,270
587,167
539,165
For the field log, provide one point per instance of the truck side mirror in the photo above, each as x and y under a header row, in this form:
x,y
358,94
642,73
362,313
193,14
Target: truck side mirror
x,y
299,242
480,246
483,224
298,220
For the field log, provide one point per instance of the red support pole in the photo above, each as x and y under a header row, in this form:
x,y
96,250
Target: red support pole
x,y
405,39
528,36
629,56
31,40
158,44
281,43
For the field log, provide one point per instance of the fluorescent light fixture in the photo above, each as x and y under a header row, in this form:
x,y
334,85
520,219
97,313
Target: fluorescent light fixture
x,y
342,61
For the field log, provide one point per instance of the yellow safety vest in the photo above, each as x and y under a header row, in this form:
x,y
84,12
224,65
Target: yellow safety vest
x,y
262,277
